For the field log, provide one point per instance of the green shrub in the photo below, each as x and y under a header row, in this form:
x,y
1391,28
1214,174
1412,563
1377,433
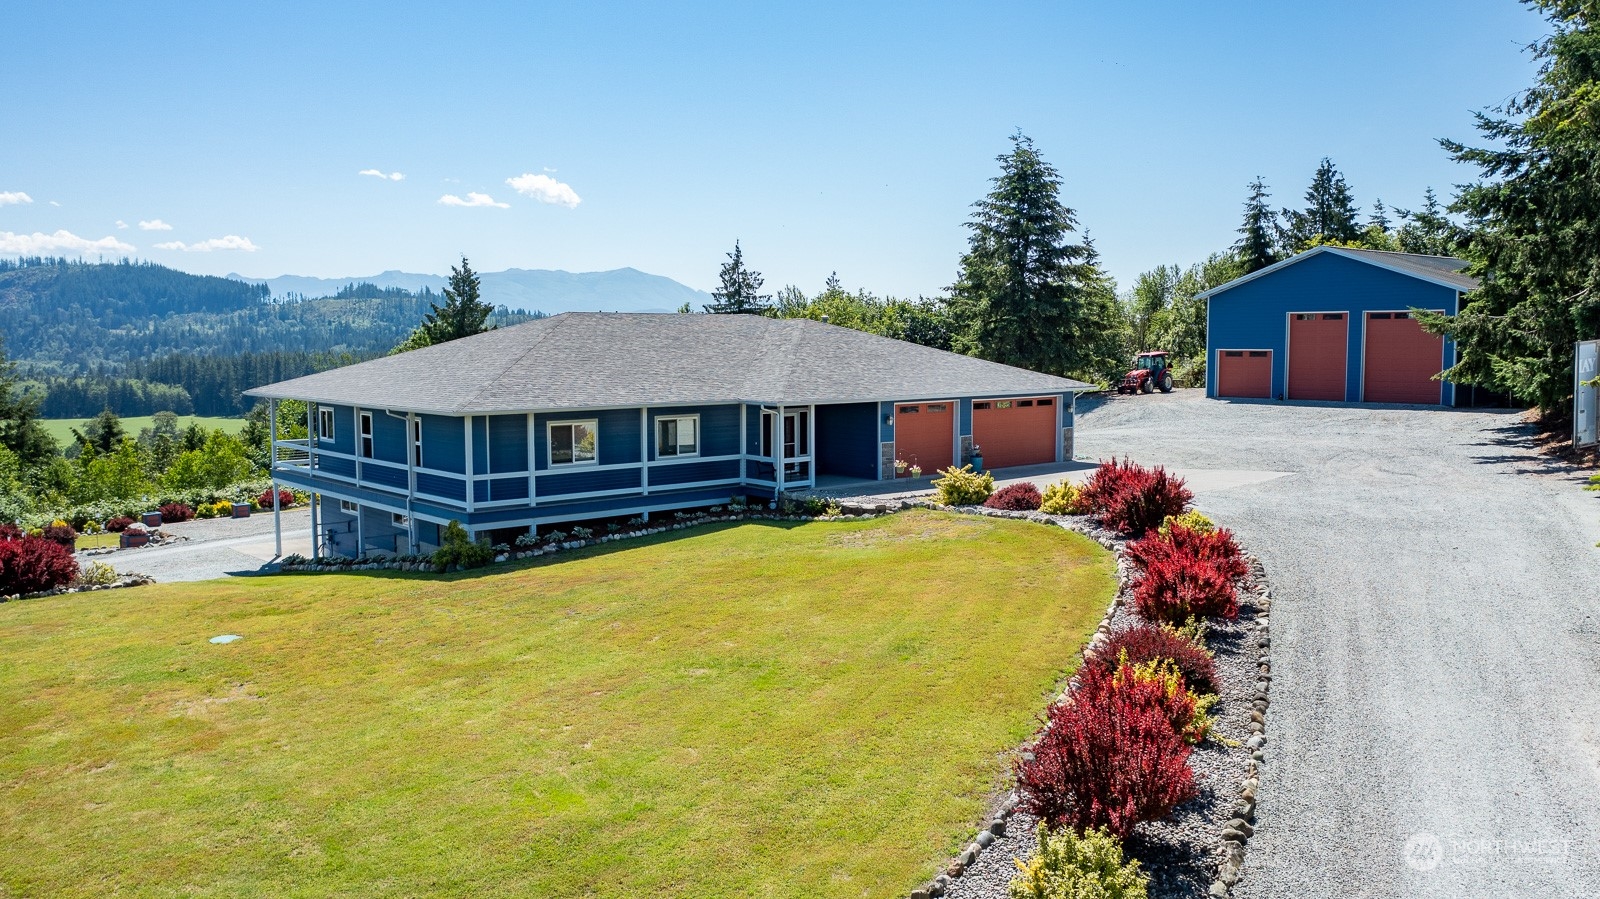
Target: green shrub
x,y
97,574
1062,499
1068,866
1193,520
455,548
962,486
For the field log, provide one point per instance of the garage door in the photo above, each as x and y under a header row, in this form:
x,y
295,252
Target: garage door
x,y
1318,348
924,434
1244,373
1015,432
1401,360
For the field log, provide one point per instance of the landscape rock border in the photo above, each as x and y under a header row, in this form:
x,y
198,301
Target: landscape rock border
x,y
131,579
1229,849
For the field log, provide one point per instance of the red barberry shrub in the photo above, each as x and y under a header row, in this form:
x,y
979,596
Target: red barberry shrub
x,y
1110,757
34,564
9,531
1145,641
176,512
1022,497
119,524
62,534
285,499
1132,499
1185,574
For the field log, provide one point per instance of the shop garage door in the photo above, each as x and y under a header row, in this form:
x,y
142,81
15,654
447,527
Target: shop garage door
x,y
1318,348
1015,432
1401,360
924,434
1244,373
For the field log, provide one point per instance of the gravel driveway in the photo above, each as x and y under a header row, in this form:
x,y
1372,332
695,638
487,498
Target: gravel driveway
x,y
1435,722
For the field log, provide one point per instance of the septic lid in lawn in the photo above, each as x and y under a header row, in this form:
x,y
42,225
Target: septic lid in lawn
x,y
225,638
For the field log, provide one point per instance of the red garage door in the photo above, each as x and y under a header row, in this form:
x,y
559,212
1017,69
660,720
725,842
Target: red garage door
x,y
1015,432
924,434
1401,360
1318,348
1244,373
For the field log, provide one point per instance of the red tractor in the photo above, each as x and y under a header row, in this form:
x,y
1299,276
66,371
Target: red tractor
x,y
1150,372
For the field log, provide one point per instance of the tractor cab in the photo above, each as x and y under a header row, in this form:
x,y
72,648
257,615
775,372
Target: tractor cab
x,y
1150,372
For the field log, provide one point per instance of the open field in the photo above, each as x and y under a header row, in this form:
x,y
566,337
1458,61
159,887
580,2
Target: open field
x,y
759,709
61,428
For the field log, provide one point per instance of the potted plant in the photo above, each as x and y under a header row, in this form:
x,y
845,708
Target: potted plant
x,y
916,471
977,458
899,467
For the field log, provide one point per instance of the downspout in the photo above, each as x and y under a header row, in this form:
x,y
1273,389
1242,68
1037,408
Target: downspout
x,y
411,478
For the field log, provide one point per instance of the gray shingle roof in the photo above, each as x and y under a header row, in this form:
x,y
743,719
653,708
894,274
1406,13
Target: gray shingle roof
x,y
596,359
1445,271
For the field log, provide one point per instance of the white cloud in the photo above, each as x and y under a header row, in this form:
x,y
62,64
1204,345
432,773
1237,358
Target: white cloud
x,y
12,198
154,225
231,242
473,199
545,189
38,242
121,225
387,176
54,203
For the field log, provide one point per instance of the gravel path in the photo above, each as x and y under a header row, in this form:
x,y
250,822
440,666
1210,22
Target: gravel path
x,y
1435,723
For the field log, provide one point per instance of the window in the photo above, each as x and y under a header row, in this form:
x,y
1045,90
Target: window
x,y
980,405
1233,354
349,507
1049,402
938,407
1024,404
1258,354
910,410
324,423
678,436
1003,404
572,442
366,435
1333,316
399,520
416,442
796,434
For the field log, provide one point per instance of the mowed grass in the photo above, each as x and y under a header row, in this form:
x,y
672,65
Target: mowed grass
x,y
759,709
61,428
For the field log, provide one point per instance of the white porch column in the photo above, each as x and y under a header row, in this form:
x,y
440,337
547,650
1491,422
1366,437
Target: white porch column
x,y
777,449
272,472
644,449
472,485
316,544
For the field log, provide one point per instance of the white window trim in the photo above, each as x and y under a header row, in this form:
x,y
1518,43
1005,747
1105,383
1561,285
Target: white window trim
x,y
592,424
398,519
697,436
325,418
366,440
349,508
416,443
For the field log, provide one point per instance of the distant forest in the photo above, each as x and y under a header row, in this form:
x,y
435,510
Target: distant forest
x,y
141,338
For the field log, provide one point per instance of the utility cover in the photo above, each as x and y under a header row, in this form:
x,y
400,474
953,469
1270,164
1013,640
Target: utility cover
x,y
225,638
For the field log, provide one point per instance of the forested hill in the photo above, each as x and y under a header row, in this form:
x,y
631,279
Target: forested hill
x,y
70,318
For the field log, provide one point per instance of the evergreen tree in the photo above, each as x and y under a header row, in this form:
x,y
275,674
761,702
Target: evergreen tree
x,y
1260,234
462,315
1537,218
20,429
1025,293
1380,215
1429,230
1330,213
100,435
740,293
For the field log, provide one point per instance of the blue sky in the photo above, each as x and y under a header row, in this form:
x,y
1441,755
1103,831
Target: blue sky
x,y
825,136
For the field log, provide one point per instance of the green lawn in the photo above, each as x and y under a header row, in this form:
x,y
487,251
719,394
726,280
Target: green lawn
x,y
759,709
61,428
98,541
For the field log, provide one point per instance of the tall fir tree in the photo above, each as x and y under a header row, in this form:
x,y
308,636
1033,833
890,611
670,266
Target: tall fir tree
x,y
1330,215
463,314
1429,230
1537,222
740,293
1026,294
1260,234
21,432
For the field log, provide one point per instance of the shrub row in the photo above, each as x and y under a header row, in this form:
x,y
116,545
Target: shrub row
x,y
1186,573
33,564
1132,499
81,516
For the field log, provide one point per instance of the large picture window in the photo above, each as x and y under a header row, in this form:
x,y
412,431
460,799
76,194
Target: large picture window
x,y
678,436
573,442
324,423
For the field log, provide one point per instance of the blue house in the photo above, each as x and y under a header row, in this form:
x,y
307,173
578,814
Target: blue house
x,y
1335,324
586,416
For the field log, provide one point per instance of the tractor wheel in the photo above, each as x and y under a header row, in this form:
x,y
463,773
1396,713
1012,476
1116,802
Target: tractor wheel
x,y
1166,382
1148,385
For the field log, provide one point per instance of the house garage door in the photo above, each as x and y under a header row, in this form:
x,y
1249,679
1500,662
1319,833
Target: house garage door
x,y
1015,432
1244,373
1318,348
1401,360
924,434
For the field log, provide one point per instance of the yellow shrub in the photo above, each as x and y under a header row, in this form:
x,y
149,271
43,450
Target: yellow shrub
x,y
1194,521
962,486
1062,499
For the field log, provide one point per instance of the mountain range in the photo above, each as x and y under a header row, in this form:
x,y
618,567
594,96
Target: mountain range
x,y
529,290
